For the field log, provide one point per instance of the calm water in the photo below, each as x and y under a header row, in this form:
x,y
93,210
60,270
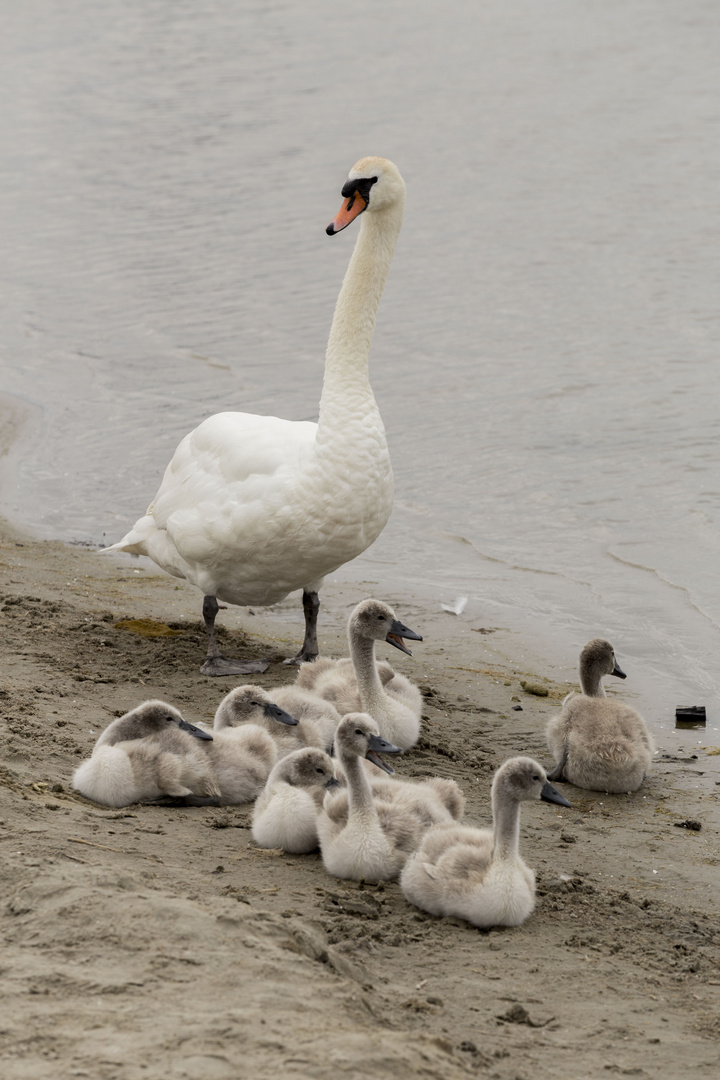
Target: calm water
x,y
546,356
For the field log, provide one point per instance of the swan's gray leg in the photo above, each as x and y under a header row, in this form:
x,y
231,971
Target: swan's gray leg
x,y
215,663
557,773
309,650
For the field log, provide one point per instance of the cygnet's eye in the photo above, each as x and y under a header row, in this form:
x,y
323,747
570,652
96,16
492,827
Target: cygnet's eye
x,y
359,731
381,618
169,719
536,777
320,770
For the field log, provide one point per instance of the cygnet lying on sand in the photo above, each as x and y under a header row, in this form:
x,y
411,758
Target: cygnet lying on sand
x,y
478,874
355,683
599,744
286,811
148,753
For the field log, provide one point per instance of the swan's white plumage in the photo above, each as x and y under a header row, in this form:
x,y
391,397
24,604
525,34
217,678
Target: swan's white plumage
x,y
253,507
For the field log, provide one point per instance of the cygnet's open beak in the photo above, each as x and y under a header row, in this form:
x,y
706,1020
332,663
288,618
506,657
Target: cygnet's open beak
x,y
196,731
397,632
618,671
377,746
349,210
276,713
550,794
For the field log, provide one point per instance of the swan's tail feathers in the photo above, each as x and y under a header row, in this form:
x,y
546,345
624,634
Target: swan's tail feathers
x,y
134,542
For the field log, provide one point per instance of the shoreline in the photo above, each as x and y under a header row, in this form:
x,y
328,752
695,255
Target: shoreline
x,y
151,931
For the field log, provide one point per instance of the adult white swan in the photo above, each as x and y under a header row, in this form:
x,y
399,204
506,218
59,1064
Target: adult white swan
x,y
254,507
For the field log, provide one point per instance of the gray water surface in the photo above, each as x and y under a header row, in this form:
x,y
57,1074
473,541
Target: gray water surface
x,y
546,354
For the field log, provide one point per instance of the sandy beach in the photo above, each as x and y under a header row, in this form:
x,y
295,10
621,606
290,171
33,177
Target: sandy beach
x,y
160,941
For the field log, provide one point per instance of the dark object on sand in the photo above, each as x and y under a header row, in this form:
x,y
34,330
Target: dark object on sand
x,y
690,716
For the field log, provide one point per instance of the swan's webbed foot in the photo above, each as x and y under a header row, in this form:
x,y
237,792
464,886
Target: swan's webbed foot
x,y
185,800
202,800
221,665
215,664
301,658
309,649
558,771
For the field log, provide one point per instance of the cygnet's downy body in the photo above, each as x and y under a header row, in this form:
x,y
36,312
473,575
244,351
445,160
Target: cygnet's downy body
x,y
599,744
242,756
251,704
368,837
317,719
286,811
478,874
357,681
148,753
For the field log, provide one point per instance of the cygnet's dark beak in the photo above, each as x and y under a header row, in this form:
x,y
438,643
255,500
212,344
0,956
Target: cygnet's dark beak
x,y
332,782
550,794
618,671
377,746
196,731
277,713
397,632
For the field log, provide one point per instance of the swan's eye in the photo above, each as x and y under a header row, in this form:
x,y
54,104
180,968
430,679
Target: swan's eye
x,y
381,618
320,770
536,777
359,732
169,719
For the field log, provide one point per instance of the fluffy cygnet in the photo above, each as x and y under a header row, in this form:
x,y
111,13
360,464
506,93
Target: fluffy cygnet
x,y
317,719
146,754
478,874
357,681
151,718
599,744
254,705
286,811
369,837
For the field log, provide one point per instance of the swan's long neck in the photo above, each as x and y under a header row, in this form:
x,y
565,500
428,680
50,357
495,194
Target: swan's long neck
x,y
360,796
370,688
506,818
591,681
346,394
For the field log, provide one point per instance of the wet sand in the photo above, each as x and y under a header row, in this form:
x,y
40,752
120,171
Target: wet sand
x,y
152,941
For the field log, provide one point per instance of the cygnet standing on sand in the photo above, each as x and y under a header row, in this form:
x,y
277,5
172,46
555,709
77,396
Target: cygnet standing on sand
x,y
353,682
286,811
368,837
478,874
149,752
599,744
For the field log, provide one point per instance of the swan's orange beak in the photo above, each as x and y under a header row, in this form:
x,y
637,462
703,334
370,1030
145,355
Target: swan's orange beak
x,y
347,213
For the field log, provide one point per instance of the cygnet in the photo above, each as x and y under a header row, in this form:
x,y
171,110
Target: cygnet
x,y
370,837
347,683
478,874
599,744
148,753
286,811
